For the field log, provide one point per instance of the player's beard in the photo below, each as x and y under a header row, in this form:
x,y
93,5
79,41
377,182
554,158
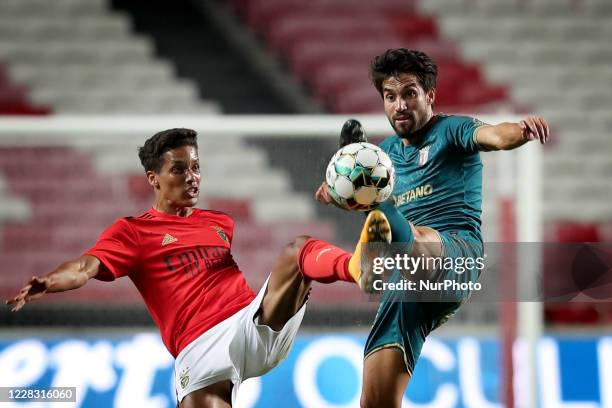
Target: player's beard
x,y
405,130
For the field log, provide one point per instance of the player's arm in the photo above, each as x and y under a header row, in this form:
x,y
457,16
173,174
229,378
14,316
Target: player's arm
x,y
508,136
67,276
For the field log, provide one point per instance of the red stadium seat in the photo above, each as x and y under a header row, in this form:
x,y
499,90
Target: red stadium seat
x,y
413,26
14,98
358,99
12,94
263,13
335,79
239,209
480,95
322,38
577,232
314,28
575,313
138,187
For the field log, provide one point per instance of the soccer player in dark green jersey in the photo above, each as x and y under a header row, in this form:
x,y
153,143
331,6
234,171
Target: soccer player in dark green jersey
x,y
435,210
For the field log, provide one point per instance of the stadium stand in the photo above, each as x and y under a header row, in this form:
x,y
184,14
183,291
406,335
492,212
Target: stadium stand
x,y
201,47
329,46
79,57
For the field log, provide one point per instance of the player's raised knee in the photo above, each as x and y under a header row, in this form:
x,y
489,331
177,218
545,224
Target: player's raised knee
x,y
299,241
427,242
294,246
290,253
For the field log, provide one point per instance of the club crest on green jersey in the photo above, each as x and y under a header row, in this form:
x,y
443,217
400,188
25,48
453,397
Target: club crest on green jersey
x,y
423,155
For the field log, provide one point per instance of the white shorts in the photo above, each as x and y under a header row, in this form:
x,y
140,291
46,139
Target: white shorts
x,y
235,349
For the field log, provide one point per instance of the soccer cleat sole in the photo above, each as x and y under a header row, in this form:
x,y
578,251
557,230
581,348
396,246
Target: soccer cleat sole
x,y
378,231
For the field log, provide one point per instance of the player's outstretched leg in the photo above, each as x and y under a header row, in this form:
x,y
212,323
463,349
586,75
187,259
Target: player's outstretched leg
x,y
326,263
308,259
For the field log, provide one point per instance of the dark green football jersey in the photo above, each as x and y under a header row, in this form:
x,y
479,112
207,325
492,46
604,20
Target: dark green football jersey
x,y
439,179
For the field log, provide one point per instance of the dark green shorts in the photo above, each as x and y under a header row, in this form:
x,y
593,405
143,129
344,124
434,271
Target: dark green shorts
x,y
404,321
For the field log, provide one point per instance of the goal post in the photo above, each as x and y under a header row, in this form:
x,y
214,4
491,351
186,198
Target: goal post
x,y
529,229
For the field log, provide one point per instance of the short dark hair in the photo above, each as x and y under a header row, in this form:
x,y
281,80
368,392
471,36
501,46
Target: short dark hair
x,y
151,154
394,62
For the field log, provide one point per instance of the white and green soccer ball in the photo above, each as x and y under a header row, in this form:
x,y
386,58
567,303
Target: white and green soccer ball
x,y
360,176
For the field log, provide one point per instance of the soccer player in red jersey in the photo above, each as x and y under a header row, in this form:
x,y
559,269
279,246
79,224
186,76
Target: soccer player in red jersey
x,y
179,257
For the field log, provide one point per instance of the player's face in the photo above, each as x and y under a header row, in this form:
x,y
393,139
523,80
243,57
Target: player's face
x,y
177,185
407,106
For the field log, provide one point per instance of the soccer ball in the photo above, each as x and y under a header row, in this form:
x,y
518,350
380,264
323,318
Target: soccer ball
x,y
360,176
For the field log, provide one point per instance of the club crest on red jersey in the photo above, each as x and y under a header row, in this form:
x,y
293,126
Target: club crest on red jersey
x,y
221,233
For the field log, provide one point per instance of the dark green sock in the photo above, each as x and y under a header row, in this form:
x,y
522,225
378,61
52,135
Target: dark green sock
x,y
400,227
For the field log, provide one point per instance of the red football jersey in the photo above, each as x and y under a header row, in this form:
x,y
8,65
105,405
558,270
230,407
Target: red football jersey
x,y
182,267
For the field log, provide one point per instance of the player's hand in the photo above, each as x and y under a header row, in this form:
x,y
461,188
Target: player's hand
x,y
34,289
322,194
535,128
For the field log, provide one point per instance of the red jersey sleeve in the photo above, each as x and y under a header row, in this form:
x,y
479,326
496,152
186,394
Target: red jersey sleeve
x,y
117,249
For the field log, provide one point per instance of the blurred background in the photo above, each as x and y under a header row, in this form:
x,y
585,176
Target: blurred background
x,y
89,62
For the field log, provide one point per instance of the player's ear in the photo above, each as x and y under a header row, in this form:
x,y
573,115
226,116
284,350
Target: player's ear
x,y
152,179
431,96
